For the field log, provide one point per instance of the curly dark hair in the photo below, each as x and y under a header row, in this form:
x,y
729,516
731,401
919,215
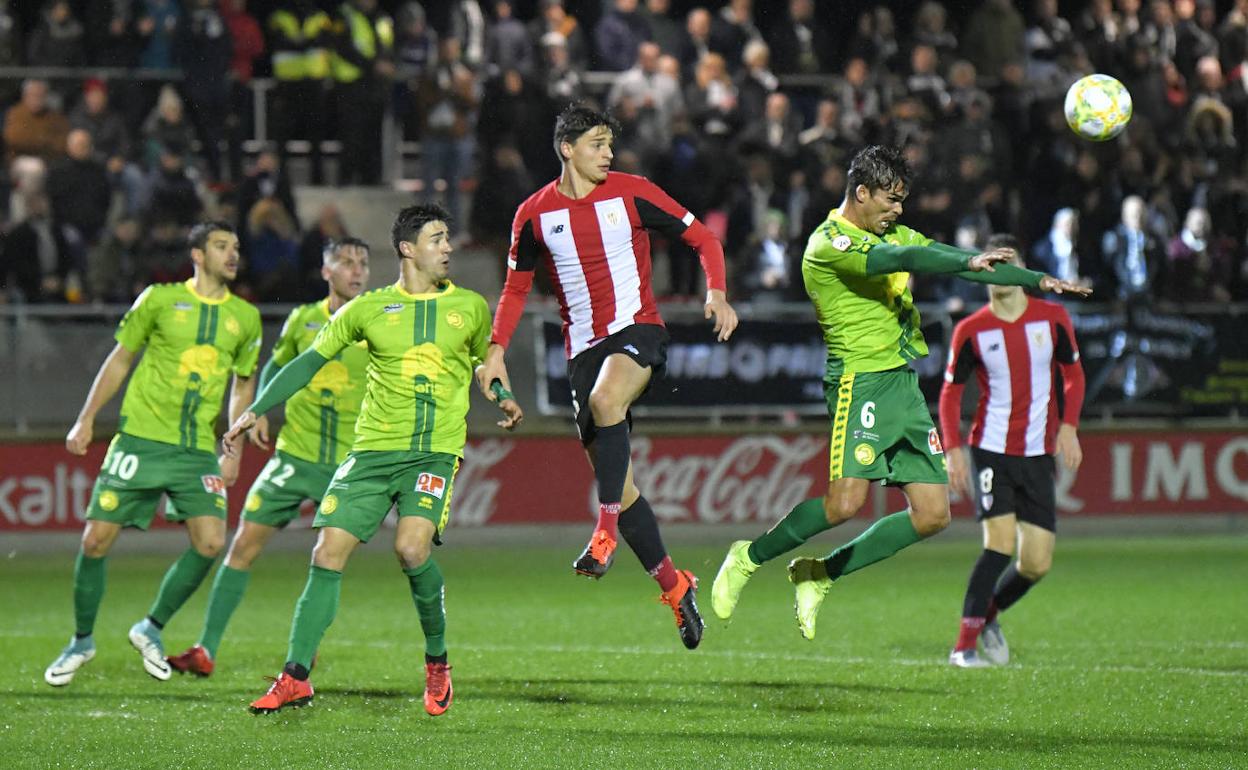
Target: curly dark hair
x,y
879,168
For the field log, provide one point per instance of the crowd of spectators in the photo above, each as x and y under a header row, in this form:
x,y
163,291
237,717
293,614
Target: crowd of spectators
x,y
746,113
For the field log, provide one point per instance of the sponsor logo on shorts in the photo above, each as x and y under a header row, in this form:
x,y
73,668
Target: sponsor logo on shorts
x,y
632,349
841,243
986,501
329,504
866,435
397,307
430,484
454,320
231,326
344,469
213,485
426,502
220,502
253,502
933,442
864,454
109,500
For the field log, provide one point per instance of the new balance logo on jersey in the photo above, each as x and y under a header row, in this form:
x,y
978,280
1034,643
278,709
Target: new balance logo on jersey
x,y
556,229
431,485
994,347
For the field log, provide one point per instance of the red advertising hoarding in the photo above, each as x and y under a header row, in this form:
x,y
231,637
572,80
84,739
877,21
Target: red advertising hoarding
x,y
702,479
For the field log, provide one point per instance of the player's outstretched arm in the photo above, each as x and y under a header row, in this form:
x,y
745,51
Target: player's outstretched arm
x,y
107,382
286,383
933,258
725,317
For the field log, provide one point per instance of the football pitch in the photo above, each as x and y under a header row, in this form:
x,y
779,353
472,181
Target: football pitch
x,y
1133,653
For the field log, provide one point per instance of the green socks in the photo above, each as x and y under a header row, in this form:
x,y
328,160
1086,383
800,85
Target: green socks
x,y
180,582
801,524
881,540
314,613
427,589
88,592
227,592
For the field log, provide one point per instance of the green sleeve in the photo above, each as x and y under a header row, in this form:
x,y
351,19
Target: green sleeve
x,y
289,381
249,349
137,324
481,337
886,258
1005,275
270,369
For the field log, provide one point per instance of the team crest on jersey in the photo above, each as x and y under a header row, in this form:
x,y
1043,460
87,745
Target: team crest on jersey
x,y
397,307
613,217
213,485
864,454
933,442
231,326
329,505
841,242
454,320
109,500
430,484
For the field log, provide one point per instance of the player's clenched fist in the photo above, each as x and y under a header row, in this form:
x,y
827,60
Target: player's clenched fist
x,y
79,438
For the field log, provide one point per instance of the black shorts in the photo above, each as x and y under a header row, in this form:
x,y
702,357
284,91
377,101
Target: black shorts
x,y
644,343
1023,486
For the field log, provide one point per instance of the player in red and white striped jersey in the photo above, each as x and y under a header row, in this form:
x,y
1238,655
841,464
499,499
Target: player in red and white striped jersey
x,y
589,228
1016,346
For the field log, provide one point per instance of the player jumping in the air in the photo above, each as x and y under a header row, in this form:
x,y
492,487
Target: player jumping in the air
x,y
425,336
317,434
589,228
193,336
856,269
1015,347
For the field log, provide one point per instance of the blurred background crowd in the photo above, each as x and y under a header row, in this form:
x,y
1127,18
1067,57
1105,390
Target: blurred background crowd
x,y
124,121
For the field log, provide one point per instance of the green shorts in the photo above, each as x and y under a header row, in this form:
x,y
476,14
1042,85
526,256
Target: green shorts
x,y
136,472
368,483
882,430
283,485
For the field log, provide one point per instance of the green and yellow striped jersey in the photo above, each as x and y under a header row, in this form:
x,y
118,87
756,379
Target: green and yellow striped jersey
x,y
422,350
320,419
191,343
869,322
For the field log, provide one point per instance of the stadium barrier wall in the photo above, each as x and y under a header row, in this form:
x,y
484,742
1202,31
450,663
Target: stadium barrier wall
x,y
698,479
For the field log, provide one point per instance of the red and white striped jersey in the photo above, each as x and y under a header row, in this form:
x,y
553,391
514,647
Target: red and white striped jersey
x,y
1015,364
597,252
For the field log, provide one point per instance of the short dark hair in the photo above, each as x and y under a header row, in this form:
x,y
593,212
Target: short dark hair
x,y
198,237
576,119
1003,241
410,221
331,247
879,168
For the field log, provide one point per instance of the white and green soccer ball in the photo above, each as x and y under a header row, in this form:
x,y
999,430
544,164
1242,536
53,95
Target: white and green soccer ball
x,y
1098,107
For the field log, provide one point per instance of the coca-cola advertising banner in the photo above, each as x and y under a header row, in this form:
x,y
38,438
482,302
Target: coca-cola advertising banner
x,y
703,479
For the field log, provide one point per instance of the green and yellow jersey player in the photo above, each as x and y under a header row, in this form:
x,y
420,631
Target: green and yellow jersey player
x,y
194,337
425,336
317,435
856,270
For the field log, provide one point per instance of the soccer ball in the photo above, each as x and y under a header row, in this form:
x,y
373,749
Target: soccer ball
x,y
1098,107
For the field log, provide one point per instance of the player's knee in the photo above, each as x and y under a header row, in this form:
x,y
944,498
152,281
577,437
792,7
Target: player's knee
x,y
1034,567
412,555
605,408
94,546
242,555
209,547
929,521
840,507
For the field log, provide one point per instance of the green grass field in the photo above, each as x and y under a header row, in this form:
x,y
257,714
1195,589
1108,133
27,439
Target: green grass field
x,y
1132,654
